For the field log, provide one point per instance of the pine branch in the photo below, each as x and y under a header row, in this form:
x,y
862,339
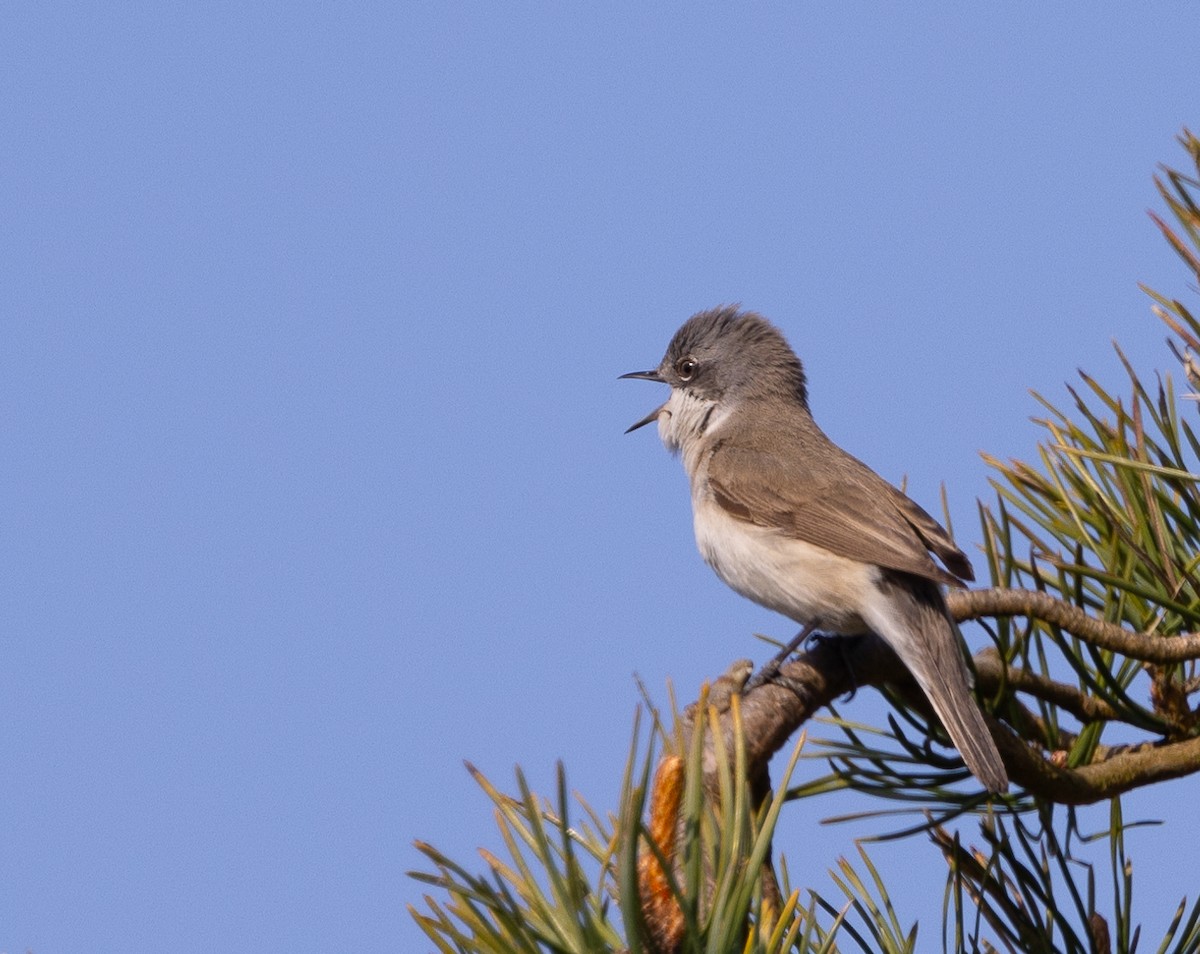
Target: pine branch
x,y
998,603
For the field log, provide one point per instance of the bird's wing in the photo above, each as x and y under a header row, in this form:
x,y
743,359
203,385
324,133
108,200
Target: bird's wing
x,y
932,534
849,509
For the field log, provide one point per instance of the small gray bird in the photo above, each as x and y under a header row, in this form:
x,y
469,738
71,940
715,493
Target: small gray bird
x,y
791,521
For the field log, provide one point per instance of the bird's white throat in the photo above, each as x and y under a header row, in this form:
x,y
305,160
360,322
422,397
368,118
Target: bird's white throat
x,y
684,419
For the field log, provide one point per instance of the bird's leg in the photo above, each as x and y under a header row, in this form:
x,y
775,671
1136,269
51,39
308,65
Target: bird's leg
x,y
771,669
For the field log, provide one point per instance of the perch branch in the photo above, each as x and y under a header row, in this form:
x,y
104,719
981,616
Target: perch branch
x,y
977,604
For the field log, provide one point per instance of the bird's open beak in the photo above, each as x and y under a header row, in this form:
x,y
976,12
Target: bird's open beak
x,y
653,415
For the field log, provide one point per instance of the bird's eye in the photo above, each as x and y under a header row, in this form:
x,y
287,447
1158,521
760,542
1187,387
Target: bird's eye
x,y
686,368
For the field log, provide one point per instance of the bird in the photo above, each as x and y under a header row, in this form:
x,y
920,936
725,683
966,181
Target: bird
x,y
788,519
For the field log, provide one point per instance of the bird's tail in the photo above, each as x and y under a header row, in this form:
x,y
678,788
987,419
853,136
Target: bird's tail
x,y
912,618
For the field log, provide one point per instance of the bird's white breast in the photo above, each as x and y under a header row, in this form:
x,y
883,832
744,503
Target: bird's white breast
x,y
804,582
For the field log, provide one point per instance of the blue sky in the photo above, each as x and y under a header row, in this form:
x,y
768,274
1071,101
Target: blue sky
x,y
315,481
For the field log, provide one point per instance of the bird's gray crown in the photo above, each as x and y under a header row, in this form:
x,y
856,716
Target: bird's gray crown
x,y
726,352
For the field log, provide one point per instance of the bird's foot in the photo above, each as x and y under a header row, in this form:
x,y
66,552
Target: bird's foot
x,y
770,672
